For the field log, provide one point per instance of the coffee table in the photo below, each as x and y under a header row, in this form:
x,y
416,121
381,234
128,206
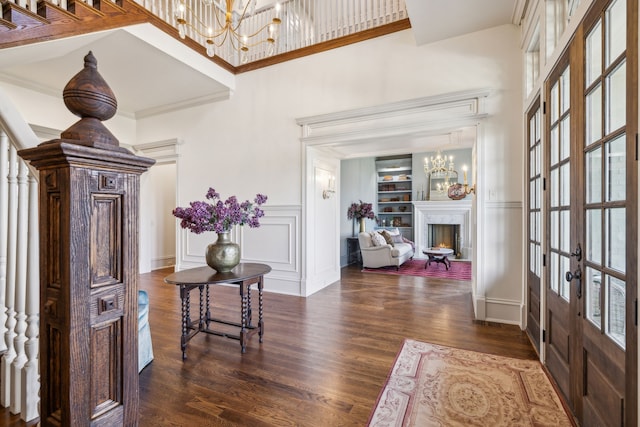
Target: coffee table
x,y
438,255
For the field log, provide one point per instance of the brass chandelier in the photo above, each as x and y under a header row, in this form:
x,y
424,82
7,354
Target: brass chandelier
x,y
220,22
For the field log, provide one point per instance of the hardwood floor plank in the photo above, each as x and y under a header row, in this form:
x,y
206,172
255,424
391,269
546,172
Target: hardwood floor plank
x,y
324,358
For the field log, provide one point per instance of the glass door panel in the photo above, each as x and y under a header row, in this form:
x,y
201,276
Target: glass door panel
x,y
593,281
616,297
535,225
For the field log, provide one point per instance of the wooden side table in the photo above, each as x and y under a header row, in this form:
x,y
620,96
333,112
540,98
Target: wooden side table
x,y
244,275
353,251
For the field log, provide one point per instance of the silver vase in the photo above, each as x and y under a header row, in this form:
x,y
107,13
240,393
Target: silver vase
x,y
224,254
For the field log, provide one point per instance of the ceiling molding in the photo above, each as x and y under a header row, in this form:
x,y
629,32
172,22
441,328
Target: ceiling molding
x,y
187,103
424,116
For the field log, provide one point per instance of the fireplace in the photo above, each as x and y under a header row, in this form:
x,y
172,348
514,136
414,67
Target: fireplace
x,y
445,223
444,236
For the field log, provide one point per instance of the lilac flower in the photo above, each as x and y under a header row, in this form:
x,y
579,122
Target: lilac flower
x,y
218,215
360,210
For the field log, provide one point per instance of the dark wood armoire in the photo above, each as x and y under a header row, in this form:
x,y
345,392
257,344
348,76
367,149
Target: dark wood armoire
x,y
89,195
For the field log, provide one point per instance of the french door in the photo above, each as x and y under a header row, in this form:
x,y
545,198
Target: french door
x,y
591,125
534,247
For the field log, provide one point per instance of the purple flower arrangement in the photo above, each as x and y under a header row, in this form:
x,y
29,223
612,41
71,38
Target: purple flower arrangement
x,y
216,215
360,210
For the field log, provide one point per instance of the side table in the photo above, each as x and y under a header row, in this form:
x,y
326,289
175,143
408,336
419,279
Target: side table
x,y
244,275
353,251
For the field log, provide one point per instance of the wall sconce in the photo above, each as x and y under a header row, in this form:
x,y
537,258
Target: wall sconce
x,y
331,188
467,189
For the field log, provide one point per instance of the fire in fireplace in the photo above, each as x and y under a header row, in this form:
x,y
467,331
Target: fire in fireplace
x,y
444,236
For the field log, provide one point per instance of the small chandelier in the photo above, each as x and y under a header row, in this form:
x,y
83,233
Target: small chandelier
x,y
440,167
225,22
440,170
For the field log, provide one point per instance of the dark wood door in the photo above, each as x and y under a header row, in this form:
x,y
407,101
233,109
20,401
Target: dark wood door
x,y
560,326
534,223
591,347
605,349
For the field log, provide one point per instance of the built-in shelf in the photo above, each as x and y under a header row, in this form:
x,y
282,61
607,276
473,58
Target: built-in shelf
x,y
394,193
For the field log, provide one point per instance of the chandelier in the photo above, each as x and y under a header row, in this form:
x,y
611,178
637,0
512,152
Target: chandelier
x,y
442,170
440,167
220,22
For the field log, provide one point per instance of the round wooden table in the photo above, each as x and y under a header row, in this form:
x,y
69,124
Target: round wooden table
x,y
438,255
244,275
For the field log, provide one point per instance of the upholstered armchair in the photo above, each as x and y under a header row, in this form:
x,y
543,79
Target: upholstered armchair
x,y
145,348
377,252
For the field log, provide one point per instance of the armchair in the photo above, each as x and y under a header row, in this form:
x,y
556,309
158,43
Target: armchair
x,y
382,255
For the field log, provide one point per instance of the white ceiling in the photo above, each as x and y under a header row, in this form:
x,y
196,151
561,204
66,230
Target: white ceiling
x,y
144,78
433,20
150,72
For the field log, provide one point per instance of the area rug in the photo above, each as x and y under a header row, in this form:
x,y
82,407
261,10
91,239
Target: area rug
x,y
459,270
431,385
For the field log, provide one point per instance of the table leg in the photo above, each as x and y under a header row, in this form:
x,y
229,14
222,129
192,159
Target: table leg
x,y
243,323
186,319
428,263
208,307
249,312
260,322
447,263
201,319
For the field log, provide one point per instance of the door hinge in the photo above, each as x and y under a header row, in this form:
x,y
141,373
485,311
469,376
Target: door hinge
x,y
544,184
544,108
544,260
636,312
544,335
636,147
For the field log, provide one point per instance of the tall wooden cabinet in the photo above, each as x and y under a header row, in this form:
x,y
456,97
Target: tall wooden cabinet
x,y
394,193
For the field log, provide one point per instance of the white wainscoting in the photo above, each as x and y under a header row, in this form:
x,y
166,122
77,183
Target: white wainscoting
x,y
499,257
275,242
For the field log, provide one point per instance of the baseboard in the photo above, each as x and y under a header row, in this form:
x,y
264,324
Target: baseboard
x,y
499,310
163,262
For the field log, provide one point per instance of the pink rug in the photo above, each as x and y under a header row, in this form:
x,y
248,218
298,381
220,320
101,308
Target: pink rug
x,y
432,385
459,270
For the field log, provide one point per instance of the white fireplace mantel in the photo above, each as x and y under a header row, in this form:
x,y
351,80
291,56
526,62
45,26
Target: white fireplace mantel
x,y
443,212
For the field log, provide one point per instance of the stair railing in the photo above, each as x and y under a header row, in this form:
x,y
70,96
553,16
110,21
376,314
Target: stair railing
x,y
19,267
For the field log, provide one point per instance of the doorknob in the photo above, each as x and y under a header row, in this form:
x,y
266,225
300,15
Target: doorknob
x,y
569,276
577,253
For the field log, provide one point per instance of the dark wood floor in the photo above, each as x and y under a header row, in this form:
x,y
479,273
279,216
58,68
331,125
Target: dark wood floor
x,y
324,358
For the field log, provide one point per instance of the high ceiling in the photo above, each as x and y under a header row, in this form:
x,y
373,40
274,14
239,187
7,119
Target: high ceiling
x,y
142,50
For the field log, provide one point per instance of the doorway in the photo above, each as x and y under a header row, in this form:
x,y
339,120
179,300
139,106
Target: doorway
x,y
591,255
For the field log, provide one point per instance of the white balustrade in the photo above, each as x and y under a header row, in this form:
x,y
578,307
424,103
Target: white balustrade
x,y
4,220
10,288
19,282
30,383
21,288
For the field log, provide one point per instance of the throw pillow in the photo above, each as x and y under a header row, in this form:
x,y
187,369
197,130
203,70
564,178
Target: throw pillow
x,y
377,239
387,237
397,238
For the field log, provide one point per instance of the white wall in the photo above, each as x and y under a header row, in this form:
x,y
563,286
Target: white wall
x,y
358,182
250,143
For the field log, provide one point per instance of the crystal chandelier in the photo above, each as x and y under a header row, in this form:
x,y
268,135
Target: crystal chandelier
x,y
440,169
221,22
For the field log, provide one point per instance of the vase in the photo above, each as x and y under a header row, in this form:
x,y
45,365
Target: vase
x,y
224,254
362,228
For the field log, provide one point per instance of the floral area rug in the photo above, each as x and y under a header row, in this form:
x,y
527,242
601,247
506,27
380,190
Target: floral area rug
x,y
431,385
459,270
